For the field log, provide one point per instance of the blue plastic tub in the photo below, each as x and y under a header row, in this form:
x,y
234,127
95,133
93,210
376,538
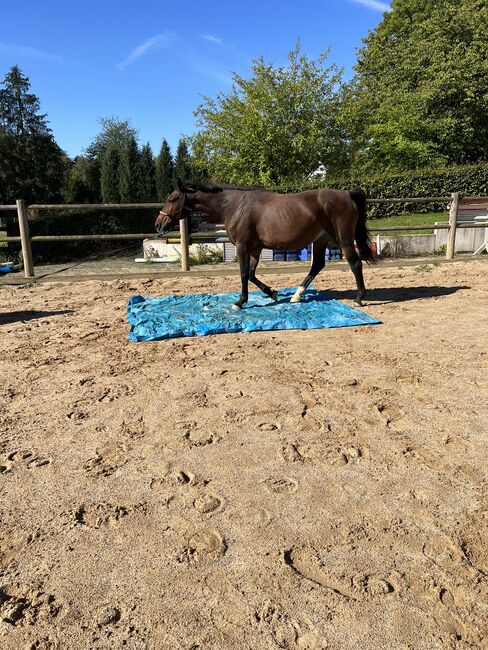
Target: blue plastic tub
x,y
292,256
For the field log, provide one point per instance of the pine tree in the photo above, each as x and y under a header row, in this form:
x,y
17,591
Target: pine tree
x,y
164,172
129,181
19,108
147,175
183,169
32,165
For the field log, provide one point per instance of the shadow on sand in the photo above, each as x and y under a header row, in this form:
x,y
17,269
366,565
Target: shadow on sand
x,y
382,296
396,294
23,316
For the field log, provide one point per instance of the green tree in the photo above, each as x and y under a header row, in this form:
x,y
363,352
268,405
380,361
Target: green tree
x,y
275,127
164,171
129,178
183,168
110,174
420,94
32,165
115,132
147,175
80,186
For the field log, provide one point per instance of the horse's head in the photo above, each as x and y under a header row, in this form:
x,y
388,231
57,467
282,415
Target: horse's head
x,y
175,208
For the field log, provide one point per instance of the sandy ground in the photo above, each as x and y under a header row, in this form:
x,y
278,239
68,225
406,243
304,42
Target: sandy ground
x,y
300,490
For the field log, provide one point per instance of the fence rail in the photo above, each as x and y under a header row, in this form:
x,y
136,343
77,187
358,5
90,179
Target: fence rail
x,y
184,238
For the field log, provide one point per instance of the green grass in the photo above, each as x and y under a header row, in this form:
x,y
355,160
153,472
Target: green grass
x,y
408,220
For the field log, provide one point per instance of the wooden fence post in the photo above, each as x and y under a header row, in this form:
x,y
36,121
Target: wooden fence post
x,y
25,239
185,248
451,233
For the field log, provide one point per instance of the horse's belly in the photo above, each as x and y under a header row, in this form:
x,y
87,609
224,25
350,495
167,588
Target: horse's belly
x,y
289,237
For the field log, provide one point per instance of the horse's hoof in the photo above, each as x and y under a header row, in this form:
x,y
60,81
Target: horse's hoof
x,y
358,303
297,296
235,307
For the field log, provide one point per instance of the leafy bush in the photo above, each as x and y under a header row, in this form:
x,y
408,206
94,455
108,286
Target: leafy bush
x,y
206,255
468,180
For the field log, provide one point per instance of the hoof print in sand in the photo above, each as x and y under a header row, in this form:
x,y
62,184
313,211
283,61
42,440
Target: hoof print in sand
x,y
202,545
107,460
296,453
252,515
26,458
392,415
208,504
347,580
179,477
201,438
174,478
26,607
281,485
268,426
108,616
283,631
99,515
322,454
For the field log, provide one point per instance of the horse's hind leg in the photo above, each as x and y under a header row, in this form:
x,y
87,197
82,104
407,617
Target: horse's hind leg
x,y
318,263
244,259
357,268
252,276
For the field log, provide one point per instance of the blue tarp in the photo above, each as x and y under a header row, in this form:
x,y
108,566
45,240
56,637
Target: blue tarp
x,y
152,319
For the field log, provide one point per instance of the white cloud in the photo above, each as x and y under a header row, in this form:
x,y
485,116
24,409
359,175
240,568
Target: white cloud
x,y
212,39
26,52
376,5
155,42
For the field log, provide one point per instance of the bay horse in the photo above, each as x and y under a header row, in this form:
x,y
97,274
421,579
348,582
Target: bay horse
x,y
257,218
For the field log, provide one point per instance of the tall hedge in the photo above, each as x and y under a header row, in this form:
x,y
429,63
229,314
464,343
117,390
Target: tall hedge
x,y
468,180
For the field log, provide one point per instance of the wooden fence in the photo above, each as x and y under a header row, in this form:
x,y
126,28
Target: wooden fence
x,y
455,201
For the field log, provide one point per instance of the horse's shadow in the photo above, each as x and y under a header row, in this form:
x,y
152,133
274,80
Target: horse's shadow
x,y
31,314
379,296
385,295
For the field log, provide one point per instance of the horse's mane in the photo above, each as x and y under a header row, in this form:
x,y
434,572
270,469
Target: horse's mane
x,y
220,187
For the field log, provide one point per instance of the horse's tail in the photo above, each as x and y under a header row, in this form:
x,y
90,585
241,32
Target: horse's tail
x,y
363,241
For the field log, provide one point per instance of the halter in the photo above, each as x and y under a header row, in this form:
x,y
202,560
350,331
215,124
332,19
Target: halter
x,y
171,216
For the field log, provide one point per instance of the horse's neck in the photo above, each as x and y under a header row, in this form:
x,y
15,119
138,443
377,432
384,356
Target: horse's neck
x,y
212,205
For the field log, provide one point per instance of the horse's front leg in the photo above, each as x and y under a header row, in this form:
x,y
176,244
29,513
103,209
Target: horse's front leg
x,y
254,261
243,253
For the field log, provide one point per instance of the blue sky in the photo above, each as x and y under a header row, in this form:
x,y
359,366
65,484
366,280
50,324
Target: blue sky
x,y
150,61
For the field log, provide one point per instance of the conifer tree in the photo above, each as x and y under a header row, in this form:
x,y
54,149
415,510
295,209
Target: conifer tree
x,y
129,180
182,162
164,172
32,165
147,175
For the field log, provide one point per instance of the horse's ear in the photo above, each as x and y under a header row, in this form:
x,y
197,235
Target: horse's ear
x,y
180,185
